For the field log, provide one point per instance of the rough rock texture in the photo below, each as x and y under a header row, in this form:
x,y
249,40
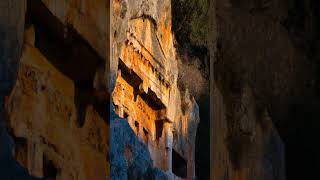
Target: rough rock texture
x,y
11,40
144,71
89,18
190,25
57,112
267,48
130,157
9,167
248,145
42,113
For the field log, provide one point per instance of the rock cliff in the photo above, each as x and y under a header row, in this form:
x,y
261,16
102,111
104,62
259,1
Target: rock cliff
x,y
57,111
145,88
267,49
248,40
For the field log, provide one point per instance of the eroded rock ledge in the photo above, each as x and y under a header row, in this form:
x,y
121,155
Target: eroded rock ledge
x,y
58,110
144,71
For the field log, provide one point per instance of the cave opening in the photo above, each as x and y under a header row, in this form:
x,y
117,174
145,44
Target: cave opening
x,y
146,135
125,115
135,81
179,165
159,128
136,124
129,76
72,55
49,169
152,100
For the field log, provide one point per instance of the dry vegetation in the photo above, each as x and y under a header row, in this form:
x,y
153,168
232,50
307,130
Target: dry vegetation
x,y
192,77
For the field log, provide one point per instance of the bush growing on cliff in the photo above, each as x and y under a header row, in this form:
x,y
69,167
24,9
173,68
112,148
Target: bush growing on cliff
x,y
192,77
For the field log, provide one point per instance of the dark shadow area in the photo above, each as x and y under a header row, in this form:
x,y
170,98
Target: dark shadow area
x,y
135,81
21,150
70,54
10,169
126,148
300,132
179,165
146,135
49,169
129,76
152,100
202,148
136,124
302,143
159,128
292,98
189,21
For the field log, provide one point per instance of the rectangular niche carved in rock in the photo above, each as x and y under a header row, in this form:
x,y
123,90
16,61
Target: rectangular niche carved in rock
x,y
159,128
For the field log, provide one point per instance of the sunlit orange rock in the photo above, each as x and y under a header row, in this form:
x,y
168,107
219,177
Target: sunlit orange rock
x,y
43,116
145,90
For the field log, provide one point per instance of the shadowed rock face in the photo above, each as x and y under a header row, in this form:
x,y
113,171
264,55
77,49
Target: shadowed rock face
x,y
253,50
129,156
11,40
11,35
270,47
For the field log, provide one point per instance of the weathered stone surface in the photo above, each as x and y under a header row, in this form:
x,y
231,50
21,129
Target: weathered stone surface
x,y
144,73
9,167
89,18
252,49
57,115
273,46
130,157
41,111
255,47
248,146
11,40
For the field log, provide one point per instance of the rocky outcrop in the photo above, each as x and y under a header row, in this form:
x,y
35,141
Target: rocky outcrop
x,y
248,145
57,112
245,142
144,71
258,53
130,157
89,18
11,40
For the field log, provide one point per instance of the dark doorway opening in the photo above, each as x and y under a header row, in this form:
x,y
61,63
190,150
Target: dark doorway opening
x,y
159,128
179,165
49,169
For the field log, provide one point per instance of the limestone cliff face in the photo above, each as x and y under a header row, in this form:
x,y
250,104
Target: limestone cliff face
x,y
144,71
57,112
258,75
248,145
